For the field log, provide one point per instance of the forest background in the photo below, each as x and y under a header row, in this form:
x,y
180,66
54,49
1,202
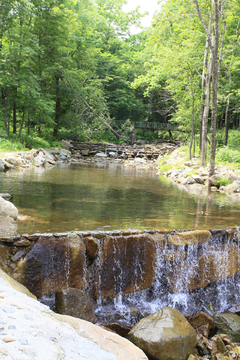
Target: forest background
x,y
71,69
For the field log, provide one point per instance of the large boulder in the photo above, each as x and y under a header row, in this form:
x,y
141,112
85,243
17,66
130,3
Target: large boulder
x,y
8,209
229,324
16,160
2,166
7,226
76,303
234,187
165,335
53,265
32,331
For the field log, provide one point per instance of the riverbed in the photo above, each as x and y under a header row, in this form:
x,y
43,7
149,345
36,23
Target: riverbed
x,y
109,196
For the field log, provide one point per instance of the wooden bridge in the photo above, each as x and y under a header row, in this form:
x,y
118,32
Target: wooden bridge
x,y
149,125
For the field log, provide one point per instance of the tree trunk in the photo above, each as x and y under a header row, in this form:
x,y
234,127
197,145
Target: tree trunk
x,y
14,117
22,122
214,89
206,111
203,86
6,122
57,108
226,121
192,135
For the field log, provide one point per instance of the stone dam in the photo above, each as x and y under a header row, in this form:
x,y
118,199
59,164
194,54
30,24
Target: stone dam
x,y
122,270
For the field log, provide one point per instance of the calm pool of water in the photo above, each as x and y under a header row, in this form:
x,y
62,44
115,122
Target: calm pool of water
x,y
107,196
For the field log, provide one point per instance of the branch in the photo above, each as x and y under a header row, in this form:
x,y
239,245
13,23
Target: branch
x,y
104,121
203,23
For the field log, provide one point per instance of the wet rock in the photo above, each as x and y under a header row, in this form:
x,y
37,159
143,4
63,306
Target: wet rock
x,y
52,265
117,328
175,255
219,356
164,335
128,253
92,247
201,346
189,238
192,357
213,265
221,346
202,323
8,209
76,303
229,324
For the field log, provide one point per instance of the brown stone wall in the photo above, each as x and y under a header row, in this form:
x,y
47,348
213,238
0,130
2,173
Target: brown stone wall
x,y
106,264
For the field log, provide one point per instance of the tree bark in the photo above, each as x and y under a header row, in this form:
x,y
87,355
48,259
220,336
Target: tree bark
x,y
14,117
206,111
57,108
214,89
22,122
203,85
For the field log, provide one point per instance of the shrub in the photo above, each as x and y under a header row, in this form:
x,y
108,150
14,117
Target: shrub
x,y
226,154
223,182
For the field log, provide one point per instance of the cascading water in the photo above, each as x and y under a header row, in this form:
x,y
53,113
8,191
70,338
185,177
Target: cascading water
x,y
188,278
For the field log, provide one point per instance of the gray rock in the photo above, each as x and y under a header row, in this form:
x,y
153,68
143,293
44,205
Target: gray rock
x,y
39,160
198,179
7,226
140,142
230,324
65,152
234,187
8,209
164,335
15,160
101,155
188,181
5,196
2,166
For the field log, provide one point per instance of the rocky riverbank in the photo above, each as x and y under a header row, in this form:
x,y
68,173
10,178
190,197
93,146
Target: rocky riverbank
x,y
141,155
189,175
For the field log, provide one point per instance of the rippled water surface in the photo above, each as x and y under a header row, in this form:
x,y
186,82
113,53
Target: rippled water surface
x,y
107,196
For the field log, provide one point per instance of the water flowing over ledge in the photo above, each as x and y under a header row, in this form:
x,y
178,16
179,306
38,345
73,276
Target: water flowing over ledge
x,y
120,270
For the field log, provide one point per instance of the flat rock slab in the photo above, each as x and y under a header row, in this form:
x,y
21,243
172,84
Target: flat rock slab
x,y
32,331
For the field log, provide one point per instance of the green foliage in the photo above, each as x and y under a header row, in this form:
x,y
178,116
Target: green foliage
x,y
11,145
228,155
223,182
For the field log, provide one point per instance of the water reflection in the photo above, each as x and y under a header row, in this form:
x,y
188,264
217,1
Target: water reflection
x,y
88,197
